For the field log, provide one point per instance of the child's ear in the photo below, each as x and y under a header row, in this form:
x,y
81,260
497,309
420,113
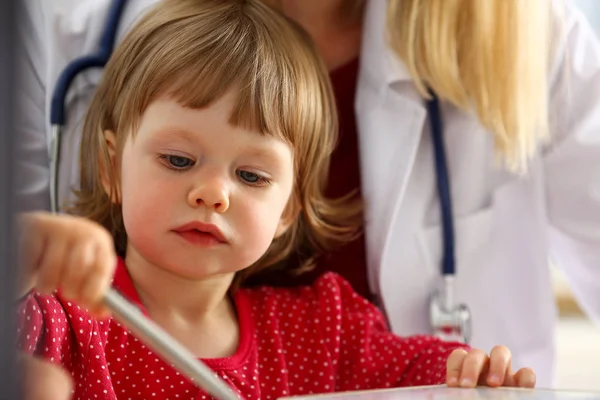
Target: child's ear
x,y
108,173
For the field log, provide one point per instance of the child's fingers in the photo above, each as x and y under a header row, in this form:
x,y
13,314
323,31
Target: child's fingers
x,y
30,251
473,366
79,262
525,378
454,366
50,265
500,366
98,281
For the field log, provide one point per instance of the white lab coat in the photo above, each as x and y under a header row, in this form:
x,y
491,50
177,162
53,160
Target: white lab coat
x,y
506,227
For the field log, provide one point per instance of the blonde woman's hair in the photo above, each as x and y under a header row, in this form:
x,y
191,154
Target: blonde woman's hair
x,y
196,51
490,56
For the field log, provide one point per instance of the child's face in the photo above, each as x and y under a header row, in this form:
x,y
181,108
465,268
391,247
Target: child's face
x,y
187,166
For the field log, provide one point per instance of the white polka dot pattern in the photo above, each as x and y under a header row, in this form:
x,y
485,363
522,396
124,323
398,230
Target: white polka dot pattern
x,y
315,339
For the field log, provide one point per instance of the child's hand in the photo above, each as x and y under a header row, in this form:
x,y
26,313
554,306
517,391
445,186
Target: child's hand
x,y
469,369
68,253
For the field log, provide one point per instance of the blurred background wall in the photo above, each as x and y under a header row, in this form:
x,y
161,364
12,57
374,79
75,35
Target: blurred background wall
x,y
591,9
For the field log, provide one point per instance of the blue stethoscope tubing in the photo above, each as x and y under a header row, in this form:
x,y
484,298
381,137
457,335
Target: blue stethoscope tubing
x,y
59,96
447,311
129,315
448,267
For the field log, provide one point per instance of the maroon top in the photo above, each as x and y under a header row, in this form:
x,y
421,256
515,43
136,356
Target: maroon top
x,y
344,176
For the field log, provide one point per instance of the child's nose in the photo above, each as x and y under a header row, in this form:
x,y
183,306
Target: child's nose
x,y
210,193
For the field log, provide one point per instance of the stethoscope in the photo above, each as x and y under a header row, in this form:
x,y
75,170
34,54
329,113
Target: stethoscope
x,y
68,75
129,315
449,320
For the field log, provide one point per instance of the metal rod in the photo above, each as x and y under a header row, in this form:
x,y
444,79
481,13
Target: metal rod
x,y
448,293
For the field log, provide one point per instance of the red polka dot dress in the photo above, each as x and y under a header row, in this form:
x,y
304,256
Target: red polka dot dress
x,y
312,339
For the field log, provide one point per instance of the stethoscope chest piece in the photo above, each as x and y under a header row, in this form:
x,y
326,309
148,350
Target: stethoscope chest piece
x,y
450,323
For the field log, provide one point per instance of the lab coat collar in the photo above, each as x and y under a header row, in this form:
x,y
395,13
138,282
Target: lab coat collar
x,y
379,61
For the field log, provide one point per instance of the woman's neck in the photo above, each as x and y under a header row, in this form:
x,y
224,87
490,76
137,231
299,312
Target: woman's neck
x,y
336,32
199,313
320,15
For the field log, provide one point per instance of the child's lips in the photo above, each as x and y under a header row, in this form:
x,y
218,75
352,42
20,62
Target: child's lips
x,y
198,238
201,233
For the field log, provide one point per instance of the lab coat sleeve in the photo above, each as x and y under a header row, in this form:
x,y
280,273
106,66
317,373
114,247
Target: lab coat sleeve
x,y
32,163
572,160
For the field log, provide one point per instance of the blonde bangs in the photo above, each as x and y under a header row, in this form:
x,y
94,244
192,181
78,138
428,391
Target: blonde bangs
x,y
275,83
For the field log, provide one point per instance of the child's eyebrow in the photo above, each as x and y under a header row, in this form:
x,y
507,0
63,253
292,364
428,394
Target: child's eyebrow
x,y
261,152
171,132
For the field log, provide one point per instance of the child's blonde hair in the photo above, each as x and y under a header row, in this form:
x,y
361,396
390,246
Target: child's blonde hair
x,y
196,51
491,56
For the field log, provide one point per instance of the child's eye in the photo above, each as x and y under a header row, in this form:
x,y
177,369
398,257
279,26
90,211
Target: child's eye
x,y
252,178
177,162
